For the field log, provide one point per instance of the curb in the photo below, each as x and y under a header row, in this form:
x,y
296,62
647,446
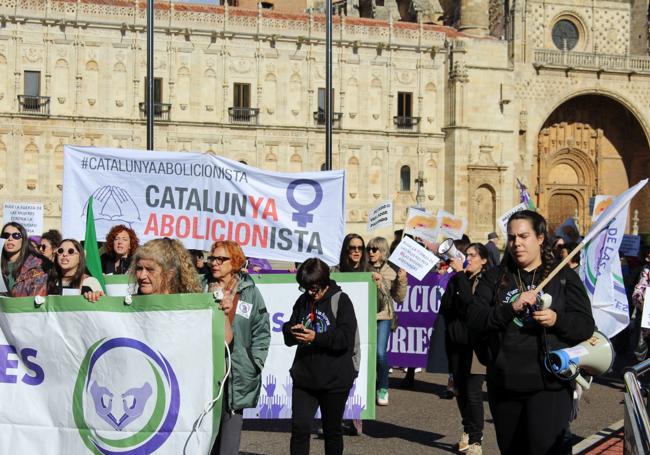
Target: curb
x,y
593,440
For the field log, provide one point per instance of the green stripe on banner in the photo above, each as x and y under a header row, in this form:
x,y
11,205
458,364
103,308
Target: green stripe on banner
x,y
174,302
219,360
116,279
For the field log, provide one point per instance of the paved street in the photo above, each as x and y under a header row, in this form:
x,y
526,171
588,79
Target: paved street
x,y
421,421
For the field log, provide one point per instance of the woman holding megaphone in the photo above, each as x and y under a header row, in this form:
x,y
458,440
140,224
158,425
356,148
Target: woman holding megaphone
x,y
530,406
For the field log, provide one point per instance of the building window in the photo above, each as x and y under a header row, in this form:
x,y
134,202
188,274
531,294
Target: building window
x,y
160,109
565,35
241,110
405,178
241,95
319,115
404,119
31,100
267,5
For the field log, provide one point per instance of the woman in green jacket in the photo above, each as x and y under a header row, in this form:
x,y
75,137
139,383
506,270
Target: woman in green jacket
x,y
248,333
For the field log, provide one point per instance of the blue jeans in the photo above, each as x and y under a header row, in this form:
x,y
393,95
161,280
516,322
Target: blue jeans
x,y
383,331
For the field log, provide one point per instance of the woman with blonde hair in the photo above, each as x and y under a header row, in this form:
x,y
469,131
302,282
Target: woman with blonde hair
x,y
248,334
161,266
390,286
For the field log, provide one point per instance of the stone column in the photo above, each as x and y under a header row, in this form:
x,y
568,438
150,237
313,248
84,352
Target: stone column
x,y
474,17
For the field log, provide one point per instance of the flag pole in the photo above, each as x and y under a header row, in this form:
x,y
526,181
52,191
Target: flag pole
x,y
559,267
150,108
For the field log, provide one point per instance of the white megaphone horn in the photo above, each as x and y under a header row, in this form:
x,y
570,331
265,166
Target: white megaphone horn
x,y
448,251
595,356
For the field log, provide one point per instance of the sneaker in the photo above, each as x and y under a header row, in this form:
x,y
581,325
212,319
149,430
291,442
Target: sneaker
x,y
382,397
463,443
474,449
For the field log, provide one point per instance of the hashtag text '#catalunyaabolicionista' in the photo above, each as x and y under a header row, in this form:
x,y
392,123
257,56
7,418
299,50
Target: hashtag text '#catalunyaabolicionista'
x,y
96,163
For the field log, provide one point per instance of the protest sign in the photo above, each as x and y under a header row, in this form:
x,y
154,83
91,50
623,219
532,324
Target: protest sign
x,y
422,224
29,214
645,316
601,202
201,198
503,219
414,258
451,226
380,216
630,245
3,286
109,378
410,344
280,291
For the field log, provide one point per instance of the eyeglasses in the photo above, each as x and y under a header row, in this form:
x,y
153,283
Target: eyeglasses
x,y
372,249
70,251
218,259
355,248
13,235
42,247
311,291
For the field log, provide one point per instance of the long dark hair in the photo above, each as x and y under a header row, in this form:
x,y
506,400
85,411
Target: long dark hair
x,y
26,249
55,275
345,265
508,263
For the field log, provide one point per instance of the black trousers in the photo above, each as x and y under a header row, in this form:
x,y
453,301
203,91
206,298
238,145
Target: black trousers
x,y
304,404
470,391
531,423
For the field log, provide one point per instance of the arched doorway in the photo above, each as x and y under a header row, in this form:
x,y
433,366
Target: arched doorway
x,y
589,145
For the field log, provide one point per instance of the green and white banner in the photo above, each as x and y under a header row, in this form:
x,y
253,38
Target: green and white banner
x,y
108,378
280,292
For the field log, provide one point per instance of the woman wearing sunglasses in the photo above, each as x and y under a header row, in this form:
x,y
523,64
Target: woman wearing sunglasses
x,y
68,274
353,255
22,267
323,369
390,286
248,333
50,241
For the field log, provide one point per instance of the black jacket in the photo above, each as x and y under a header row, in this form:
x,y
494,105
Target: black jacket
x,y
326,363
453,306
516,342
108,264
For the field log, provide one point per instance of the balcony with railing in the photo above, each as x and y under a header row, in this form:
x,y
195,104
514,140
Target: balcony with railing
x,y
38,105
160,111
403,122
319,118
243,115
551,58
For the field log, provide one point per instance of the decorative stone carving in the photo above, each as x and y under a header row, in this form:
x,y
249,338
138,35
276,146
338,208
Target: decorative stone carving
x,y
241,66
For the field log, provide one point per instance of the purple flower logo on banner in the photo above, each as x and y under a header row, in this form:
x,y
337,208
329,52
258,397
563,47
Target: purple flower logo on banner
x,y
148,414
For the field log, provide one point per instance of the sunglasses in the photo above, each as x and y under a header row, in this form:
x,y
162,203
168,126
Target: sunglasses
x,y
311,291
13,235
372,249
42,247
218,259
355,248
70,251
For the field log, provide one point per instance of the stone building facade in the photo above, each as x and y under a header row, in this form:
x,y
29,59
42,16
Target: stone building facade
x,y
555,93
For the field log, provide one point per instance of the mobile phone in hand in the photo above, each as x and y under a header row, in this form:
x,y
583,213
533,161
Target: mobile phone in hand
x,y
298,330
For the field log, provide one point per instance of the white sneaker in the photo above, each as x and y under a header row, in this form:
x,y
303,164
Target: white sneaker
x,y
463,443
382,397
474,449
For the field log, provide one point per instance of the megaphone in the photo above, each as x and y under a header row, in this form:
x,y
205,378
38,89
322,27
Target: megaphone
x,y
595,356
448,251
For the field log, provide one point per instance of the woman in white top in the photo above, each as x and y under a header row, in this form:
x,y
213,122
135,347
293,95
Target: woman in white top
x,y
68,276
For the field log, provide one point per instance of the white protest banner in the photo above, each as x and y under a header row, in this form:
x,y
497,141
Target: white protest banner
x,y
413,258
601,202
200,198
106,378
29,214
422,225
451,226
380,216
280,292
503,219
3,286
645,316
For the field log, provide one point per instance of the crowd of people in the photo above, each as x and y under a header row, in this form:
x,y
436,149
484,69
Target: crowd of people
x,y
497,331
